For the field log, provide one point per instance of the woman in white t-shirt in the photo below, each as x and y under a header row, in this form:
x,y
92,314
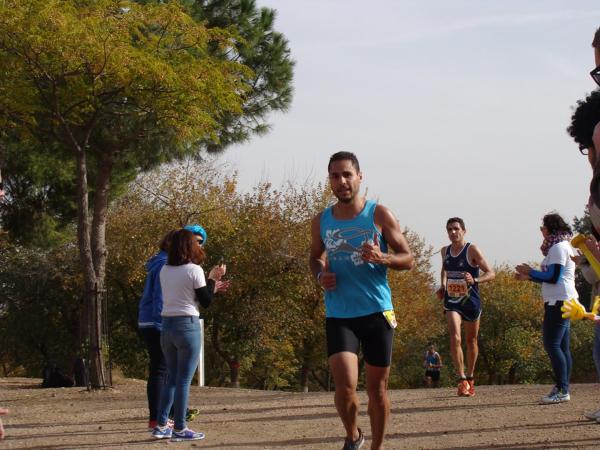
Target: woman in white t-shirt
x,y
183,288
557,276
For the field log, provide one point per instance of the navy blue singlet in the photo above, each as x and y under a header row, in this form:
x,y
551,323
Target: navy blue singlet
x,y
459,296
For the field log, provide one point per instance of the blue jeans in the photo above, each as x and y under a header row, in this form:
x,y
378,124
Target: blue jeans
x,y
556,331
158,369
180,342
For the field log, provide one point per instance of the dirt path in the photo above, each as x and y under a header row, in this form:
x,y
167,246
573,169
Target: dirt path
x,y
504,417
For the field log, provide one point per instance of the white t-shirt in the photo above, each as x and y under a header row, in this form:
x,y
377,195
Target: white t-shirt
x,y
178,284
564,288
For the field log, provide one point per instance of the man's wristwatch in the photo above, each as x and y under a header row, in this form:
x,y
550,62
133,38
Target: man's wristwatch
x,y
476,279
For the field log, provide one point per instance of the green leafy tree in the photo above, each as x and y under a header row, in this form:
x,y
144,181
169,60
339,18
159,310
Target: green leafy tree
x,y
118,87
40,202
510,340
39,307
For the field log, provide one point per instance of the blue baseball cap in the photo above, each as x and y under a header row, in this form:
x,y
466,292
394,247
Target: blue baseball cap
x,y
198,231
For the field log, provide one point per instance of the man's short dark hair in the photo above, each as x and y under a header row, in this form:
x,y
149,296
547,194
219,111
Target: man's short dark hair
x,y
344,156
596,41
457,220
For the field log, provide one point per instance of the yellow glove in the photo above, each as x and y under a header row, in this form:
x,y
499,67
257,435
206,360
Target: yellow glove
x,y
572,309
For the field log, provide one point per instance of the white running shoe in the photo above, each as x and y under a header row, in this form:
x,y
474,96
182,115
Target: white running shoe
x,y
558,397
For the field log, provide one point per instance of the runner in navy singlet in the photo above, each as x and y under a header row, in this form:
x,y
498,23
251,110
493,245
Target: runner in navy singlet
x,y
461,264
432,361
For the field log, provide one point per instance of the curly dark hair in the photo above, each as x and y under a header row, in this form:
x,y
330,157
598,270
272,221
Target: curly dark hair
x,y
555,224
584,119
596,41
185,249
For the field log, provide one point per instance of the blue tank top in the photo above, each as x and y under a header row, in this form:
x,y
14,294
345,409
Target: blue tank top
x,y
432,359
361,287
457,291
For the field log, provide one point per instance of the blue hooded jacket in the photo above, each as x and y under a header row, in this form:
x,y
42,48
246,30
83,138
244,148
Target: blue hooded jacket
x,y
151,303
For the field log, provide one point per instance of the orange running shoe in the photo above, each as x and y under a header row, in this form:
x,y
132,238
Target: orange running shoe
x,y
471,382
463,388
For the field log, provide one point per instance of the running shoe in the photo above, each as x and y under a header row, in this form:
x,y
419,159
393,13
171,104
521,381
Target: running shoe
x,y
558,397
471,382
162,433
186,435
463,388
152,424
592,415
354,445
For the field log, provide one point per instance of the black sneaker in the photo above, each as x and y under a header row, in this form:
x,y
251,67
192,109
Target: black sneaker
x,y
355,445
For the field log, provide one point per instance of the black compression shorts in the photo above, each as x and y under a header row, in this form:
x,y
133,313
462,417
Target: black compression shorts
x,y
433,374
373,333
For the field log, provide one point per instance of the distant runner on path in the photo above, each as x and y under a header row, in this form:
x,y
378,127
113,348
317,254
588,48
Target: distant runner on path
x,y
460,275
349,258
432,361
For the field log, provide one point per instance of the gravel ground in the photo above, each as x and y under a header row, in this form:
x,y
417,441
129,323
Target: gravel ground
x,y
501,417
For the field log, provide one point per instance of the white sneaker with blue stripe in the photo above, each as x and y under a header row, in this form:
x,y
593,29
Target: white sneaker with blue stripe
x,y
162,432
186,435
556,397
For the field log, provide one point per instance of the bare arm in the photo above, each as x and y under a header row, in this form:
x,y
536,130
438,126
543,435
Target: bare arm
x,y
401,258
317,261
442,289
477,259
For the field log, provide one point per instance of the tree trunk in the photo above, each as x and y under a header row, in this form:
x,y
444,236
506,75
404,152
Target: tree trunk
x,y
92,252
95,356
512,374
323,383
234,369
232,361
93,320
304,378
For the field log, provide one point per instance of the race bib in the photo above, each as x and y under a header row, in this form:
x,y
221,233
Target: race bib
x,y
456,287
390,317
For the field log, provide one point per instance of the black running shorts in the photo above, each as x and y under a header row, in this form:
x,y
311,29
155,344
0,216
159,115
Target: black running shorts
x,y
433,374
372,333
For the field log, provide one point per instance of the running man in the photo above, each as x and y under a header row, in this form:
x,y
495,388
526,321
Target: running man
x,y
349,258
432,361
461,264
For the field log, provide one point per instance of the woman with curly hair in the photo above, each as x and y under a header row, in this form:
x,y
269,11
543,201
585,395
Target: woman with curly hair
x,y
557,276
585,131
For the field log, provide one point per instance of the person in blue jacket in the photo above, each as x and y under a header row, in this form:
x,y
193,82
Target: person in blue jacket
x,y
149,325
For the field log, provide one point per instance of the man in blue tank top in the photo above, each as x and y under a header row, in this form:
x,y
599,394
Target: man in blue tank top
x,y
349,258
461,264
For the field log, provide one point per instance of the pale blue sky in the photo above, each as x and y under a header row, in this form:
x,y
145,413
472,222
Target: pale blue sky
x,y
453,109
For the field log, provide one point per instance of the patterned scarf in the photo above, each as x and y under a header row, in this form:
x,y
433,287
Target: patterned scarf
x,y
554,239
